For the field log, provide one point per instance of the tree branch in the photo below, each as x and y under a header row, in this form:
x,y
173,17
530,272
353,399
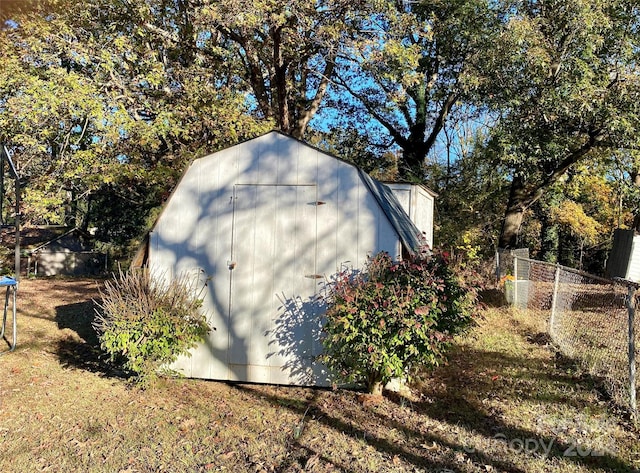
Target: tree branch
x,y
398,138
595,137
440,120
310,111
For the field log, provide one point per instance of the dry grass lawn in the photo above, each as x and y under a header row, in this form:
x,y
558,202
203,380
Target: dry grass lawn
x,y
503,403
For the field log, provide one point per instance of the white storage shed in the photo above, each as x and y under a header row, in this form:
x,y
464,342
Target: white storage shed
x,y
418,201
270,220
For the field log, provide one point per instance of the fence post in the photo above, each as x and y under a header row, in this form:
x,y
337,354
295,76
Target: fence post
x,y
554,300
515,281
631,305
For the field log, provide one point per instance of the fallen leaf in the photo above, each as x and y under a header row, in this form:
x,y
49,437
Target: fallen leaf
x,y
187,425
369,399
433,446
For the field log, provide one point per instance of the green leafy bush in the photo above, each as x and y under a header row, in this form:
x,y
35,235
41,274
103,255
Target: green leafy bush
x,y
393,317
144,323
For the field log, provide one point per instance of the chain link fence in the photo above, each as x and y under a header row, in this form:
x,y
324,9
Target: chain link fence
x,y
591,319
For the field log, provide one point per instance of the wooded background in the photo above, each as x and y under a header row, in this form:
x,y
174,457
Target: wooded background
x,y
522,115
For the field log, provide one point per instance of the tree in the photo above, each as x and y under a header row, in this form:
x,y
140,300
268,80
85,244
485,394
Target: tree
x,y
471,196
283,52
573,222
52,116
409,67
566,84
98,106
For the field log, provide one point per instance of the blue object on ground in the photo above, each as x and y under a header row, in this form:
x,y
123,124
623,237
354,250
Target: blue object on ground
x,y
12,288
7,281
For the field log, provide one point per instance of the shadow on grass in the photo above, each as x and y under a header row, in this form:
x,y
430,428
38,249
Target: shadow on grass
x,y
84,353
413,453
356,429
504,445
470,372
492,297
525,379
455,409
78,317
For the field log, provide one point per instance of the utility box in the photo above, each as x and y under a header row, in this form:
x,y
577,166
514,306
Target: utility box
x,y
624,260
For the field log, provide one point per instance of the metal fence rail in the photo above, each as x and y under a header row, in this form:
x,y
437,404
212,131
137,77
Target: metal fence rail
x,y
591,320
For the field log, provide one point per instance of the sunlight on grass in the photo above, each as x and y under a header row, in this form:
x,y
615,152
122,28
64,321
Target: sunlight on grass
x,y
503,402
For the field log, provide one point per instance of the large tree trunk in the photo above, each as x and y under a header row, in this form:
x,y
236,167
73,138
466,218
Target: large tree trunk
x,y
411,166
511,228
417,144
518,202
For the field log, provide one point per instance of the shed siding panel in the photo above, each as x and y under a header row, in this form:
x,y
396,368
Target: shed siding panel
x,y
347,202
404,197
247,305
269,163
216,248
633,270
377,232
418,204
308,160
290,328
245,161
368,218
210,202
52,263
424,214
387,239
288,159
327,215
274,248
620,256
176,227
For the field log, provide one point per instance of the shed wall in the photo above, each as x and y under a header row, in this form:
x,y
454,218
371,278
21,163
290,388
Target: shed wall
x,y
53,263
304,239
419,205
633,269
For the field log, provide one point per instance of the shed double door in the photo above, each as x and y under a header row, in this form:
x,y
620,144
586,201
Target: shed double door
x,y
272,280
